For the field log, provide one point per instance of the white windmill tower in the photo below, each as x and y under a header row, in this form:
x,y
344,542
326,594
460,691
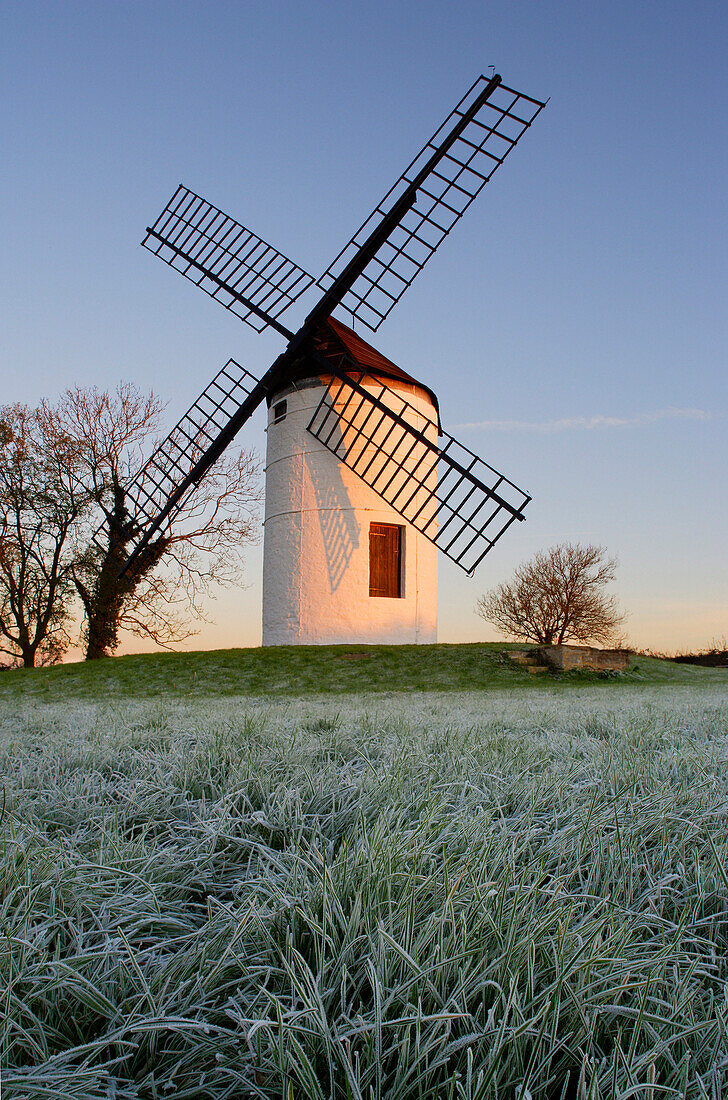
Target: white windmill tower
x,y
340,563
363,486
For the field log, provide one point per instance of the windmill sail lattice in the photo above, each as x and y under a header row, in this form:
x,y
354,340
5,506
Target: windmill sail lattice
x,y
490,130
155,491
451,496
229,262
454,498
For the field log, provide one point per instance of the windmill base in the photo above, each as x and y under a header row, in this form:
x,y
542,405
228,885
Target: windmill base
x,y
308,602
321,562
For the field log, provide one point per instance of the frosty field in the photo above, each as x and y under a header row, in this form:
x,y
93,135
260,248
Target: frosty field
x,y
405,896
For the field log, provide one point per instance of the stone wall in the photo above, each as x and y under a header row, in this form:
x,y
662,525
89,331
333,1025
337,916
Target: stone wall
x,y
565,657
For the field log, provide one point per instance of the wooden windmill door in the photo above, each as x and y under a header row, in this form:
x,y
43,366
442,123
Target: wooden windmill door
x,y
385,566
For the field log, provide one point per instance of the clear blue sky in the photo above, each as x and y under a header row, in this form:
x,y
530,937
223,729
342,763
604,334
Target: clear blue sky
x,y
574,325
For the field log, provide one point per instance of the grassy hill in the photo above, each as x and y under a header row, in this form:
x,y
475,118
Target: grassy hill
x,y
321,670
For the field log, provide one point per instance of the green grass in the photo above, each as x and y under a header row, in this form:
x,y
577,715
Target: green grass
x,y
325,670
435,896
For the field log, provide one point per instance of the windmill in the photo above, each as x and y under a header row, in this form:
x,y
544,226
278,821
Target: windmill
x,y
363,486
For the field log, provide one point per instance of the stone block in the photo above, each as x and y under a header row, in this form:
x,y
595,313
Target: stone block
x,y
565,657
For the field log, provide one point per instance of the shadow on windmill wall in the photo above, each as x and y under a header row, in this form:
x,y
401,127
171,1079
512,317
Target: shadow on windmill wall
x,y
339,528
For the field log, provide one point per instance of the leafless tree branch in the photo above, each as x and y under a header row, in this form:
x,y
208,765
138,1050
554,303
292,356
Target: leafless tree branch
x,y
109,434
557,596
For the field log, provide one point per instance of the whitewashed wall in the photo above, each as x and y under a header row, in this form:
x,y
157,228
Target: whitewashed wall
x,y
316,541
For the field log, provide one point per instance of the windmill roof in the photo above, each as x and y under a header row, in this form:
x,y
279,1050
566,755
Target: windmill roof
x,y
369,359
333,339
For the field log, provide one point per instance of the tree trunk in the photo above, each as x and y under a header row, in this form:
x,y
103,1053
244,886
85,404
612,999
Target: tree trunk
x,y
105,605
103,615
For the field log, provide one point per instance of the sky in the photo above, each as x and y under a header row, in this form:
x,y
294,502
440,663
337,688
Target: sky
x,y
573,325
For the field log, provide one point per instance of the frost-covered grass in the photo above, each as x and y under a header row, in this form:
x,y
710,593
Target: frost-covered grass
x,y
436,896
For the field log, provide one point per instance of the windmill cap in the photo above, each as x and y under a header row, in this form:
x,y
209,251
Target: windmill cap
x,y
332,338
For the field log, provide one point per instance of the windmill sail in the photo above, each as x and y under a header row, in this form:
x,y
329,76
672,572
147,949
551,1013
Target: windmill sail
x,y
160,489
229,262
441,182
459,502
451,496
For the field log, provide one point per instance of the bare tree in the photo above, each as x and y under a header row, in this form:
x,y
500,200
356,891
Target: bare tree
x,y
556,596
107,433
163,595
40,504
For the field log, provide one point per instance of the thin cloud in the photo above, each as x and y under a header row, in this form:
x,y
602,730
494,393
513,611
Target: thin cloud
x,y
586,423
